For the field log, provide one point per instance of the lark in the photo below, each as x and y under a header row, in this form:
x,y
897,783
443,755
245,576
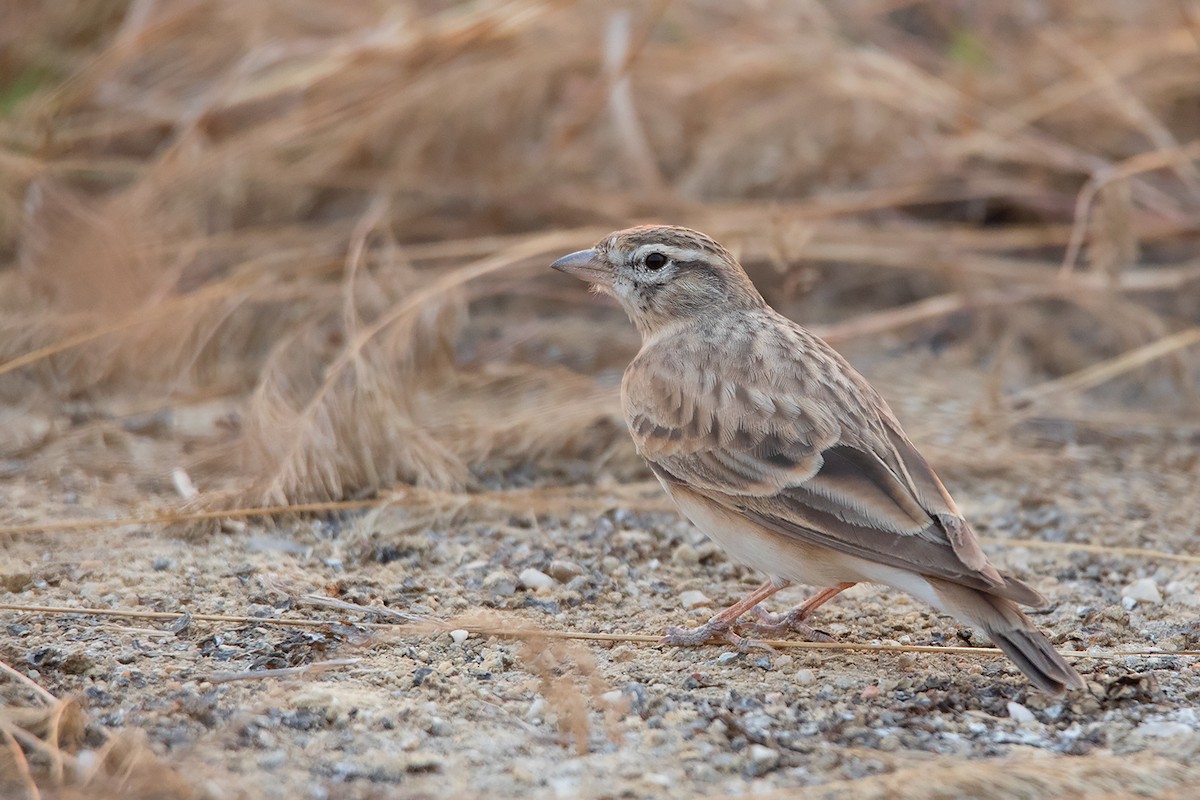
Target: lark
x,y
776,448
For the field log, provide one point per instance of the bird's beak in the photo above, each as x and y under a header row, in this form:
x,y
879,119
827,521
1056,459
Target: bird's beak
x,y
586,266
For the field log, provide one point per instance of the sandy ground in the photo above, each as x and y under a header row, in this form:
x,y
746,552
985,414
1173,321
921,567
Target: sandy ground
x,y
427,715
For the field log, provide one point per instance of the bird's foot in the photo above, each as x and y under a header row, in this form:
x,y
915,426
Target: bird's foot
x,y
712,632
768,624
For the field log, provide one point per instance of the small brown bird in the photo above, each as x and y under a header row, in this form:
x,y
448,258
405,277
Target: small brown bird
x,y
775,447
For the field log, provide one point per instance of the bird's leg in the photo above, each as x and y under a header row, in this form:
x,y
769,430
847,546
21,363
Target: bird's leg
x,y
794,620
720,626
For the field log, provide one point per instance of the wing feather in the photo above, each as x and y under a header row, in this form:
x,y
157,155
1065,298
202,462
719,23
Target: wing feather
x,y
807,449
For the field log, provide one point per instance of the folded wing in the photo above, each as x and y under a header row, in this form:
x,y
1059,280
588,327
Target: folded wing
x,y
809,454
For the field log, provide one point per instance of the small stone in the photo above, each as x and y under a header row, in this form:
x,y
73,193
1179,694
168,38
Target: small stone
x,y
806,677
1144,590
693,599
500,584
535,579
685,554
1162,729
162,563
762,758
726,658
459,636
564,571
1020,714
535,709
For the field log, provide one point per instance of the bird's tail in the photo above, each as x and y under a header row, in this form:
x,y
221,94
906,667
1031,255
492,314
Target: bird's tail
x,y
1013,632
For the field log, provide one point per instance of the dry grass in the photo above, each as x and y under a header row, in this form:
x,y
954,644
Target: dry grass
x,y
244,215
54,752
310,244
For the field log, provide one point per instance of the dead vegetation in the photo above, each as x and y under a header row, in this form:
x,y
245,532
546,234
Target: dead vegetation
x,y
299,252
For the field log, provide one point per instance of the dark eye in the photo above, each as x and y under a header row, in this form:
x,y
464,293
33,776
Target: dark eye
x,y
656,261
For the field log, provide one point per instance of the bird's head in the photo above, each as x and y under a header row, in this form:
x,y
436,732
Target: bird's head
x,y
662,275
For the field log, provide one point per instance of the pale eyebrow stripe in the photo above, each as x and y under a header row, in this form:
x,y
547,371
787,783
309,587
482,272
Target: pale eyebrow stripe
x,y
677,254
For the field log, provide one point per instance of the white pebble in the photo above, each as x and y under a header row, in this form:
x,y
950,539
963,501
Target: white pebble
x,y
765,756
1163,729
535,579
1020,714
1144,590
536,708
806,677
459,636
693,599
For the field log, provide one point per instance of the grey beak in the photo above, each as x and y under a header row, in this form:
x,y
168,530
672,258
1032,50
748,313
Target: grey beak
x,y
584,265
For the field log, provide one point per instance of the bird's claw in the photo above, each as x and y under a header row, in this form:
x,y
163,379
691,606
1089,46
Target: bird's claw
x,y
712,633
769,624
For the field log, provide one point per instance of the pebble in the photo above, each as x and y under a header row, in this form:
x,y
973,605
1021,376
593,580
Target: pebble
x,y
1163,729
500,584
685,554
564,571
1144,590
806,677
693,599
459,636
535,579
727,657
613,697
1020,714
763,758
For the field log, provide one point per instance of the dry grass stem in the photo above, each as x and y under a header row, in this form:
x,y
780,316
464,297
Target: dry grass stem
x,y
283,672
505,631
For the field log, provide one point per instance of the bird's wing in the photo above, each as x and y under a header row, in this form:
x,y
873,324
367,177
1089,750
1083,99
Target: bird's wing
x,y
804,447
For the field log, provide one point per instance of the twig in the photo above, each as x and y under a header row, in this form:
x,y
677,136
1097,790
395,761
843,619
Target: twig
x,y
142,315
1142,162
21,762
1097,374
503,632
620,101
401,617
1101,549
931,308
20,677
283,672
171,517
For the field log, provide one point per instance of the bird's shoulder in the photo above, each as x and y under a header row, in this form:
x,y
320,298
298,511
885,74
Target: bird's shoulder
x,y
749,372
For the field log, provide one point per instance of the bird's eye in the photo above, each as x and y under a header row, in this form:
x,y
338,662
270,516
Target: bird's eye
x,y
656,261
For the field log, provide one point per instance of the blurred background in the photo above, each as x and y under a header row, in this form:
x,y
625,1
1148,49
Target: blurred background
x,y
296,251
300,249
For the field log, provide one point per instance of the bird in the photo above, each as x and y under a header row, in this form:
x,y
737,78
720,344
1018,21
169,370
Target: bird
x,y
774,446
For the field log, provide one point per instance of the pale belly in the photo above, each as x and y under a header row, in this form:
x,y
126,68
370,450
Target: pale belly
x,y
790,559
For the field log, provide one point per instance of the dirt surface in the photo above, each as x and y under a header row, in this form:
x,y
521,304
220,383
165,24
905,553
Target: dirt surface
x,y
429,714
